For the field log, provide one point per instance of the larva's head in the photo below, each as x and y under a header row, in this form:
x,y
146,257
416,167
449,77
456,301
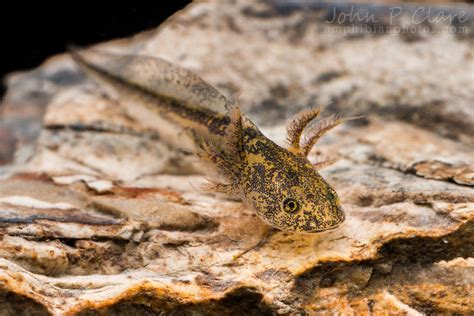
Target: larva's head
x,y
285,190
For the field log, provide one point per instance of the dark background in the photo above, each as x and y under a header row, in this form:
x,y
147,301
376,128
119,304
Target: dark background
x,y
32,32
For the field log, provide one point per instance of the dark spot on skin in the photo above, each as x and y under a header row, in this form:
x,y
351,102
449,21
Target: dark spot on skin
x,y
260,169
330,195
292,174
251,133
258,176
308,227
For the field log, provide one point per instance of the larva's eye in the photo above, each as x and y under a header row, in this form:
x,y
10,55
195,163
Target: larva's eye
x,y
290,205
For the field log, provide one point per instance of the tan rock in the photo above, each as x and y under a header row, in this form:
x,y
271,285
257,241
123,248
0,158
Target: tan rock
x,y
100,212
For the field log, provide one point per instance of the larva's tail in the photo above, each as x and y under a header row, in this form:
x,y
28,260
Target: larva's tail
x,y
168,90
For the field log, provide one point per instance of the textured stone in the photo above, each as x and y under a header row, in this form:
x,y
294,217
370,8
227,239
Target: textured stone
x,y
100,211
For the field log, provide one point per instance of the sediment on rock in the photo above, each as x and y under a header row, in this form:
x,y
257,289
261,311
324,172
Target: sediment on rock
x,y
99,206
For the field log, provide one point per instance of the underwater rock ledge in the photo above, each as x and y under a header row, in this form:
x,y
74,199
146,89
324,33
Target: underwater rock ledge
x,y
99,213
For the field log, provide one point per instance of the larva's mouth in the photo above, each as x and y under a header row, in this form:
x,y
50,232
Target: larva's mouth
x,y
320,230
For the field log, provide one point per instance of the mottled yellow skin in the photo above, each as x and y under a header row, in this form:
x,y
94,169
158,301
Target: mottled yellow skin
x,y
272,174
279,184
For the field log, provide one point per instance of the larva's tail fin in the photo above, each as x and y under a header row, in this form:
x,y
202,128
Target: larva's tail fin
x,y
151,77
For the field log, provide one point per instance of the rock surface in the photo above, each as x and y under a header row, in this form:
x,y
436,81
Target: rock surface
x,y
99,214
